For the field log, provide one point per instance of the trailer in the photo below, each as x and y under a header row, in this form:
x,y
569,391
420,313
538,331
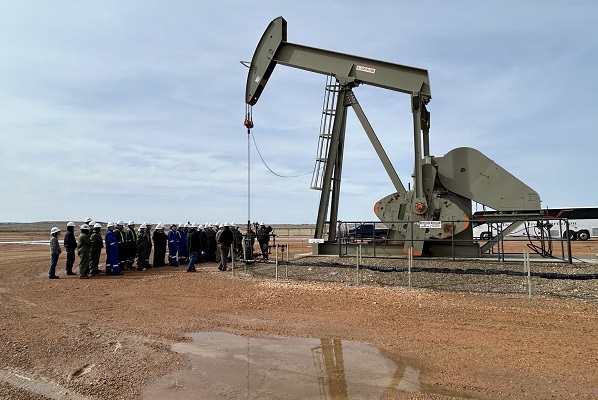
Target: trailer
x,y
576,223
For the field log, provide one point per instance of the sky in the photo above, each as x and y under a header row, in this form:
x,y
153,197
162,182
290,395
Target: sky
x,y
133,110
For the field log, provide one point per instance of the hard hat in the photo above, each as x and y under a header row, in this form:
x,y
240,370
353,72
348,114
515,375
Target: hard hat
x,y
92,223
200,226
217,224
193,225
87,220
262,224
182,225
233,225
70,224
187,226
120,223
131,223
97,225
159,226
143,226
54,230
147,224
226,224
110,225
84,226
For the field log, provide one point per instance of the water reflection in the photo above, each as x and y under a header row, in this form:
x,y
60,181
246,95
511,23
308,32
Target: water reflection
x,y
226,366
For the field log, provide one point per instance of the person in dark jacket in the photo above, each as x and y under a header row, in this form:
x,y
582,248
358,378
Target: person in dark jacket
x,y
83,247
211,244
131,240
193,246
97,244
119,234
142,247
159,238
182,248
225,240
263,238
70,245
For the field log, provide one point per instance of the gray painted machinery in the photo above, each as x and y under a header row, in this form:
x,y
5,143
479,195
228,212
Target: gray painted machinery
x,y
443,187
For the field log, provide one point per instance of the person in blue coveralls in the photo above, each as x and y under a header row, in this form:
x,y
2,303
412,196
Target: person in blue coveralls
x,y
173,246
112,260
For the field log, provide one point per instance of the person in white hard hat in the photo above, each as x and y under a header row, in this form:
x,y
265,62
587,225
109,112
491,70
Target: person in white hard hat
x,y
142,240
70,245
160,240
119,233
182,249
193,246
54,252
112,262
131,238
97,244
173,246
83,246
211,245
225,240
148,252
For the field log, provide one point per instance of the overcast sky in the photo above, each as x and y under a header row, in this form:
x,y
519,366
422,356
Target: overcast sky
x,y
134,110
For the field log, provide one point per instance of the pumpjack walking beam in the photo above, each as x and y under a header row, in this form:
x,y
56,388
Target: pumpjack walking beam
x,y
349,71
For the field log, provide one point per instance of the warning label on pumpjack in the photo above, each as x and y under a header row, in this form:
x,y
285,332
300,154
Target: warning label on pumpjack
x,y
369,70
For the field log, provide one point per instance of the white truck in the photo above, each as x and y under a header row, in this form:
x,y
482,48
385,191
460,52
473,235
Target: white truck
x,y
583,223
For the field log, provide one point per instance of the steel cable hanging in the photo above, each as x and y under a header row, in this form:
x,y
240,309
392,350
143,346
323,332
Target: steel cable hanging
x,y
270,169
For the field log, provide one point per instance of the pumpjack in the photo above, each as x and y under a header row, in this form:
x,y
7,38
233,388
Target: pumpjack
x,y
443,187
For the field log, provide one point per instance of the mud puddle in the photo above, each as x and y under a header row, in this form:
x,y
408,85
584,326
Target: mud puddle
x,y
227,366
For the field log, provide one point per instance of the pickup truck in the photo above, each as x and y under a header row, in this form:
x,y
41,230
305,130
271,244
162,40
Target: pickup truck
x,y
367,231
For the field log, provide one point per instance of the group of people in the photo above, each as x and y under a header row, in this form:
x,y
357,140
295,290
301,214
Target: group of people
x,y
186,243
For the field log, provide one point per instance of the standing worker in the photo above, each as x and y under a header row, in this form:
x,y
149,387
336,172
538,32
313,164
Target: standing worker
x,y
112,262
131,240
70,245
173,246
142,247
119,233
160,240
83,247
225,240
148,252
182,248
54,252
210,243
96,250
193,246
263,238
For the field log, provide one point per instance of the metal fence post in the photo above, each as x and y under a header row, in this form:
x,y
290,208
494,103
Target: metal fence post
x,y
358,257
409,265
528,273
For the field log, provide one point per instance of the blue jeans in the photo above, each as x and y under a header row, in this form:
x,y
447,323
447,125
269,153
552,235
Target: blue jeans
x,y
192,259
52,271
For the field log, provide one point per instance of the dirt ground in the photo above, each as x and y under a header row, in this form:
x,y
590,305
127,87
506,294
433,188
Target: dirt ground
x,y
111,337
